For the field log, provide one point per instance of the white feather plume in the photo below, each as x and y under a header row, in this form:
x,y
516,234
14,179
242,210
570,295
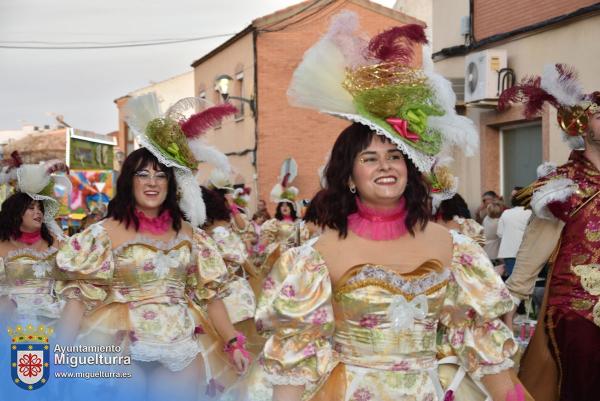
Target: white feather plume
x,y
276,193
574,142
545,168
317,82
140,110
32,178
555,190
567,91
456,130
8,174
220,179
191,202
209,154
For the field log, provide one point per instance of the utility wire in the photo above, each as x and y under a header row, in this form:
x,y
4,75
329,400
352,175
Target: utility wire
x,y
103,45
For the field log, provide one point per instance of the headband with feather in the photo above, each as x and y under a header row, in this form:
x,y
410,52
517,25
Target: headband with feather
x,y
559,86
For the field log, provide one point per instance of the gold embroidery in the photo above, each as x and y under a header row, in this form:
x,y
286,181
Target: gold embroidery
x,y
581,304
596,314
593,236
384,284
590,277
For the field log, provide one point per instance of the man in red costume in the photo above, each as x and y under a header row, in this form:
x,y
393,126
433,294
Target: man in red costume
x,y
566,224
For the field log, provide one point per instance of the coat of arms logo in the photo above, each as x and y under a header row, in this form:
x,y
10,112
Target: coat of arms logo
x,y
30,355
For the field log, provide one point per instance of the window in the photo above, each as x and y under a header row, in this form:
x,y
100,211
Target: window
x,y
521,149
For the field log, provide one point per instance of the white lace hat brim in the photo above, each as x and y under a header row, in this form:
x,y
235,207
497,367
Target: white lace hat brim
x,y
423,162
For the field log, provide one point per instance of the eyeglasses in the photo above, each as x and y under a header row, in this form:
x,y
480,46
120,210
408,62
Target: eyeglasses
x,y
145,176
372,160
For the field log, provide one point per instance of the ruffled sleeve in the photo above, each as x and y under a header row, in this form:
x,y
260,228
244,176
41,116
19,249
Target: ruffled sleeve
x,y
85,266
208,276
268,231
230,245
476,298
295,311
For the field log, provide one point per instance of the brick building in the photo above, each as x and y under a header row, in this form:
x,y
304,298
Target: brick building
x,y
530,34
261,59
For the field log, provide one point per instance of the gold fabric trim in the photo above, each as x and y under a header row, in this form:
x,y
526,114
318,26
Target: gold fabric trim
x,y
387,286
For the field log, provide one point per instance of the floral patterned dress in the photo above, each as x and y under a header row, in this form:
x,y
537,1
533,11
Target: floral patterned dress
x,y
27,278
146,295
241,301
280,235
376,334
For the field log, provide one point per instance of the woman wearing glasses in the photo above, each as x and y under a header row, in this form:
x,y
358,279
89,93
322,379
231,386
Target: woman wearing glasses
x,y
145,279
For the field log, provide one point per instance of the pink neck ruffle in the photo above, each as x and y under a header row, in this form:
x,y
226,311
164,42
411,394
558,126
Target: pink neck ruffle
x,y
378,225
154,225
30,238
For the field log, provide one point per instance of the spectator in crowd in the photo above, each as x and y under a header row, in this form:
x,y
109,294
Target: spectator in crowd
x,y
490,229
262,208
511,227
487,198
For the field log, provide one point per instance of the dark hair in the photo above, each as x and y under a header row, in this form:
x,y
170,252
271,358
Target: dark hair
x,y
455,206
261,213
216,205
122,206
11,217
490,193
514,201
279,215
331,206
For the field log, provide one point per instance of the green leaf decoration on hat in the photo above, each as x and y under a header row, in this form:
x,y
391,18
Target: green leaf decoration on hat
x,y
411,103
48,189
167,136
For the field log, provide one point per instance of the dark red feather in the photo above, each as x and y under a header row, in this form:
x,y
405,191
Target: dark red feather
x,y
15,159
530,93
198,123
52,166
396,44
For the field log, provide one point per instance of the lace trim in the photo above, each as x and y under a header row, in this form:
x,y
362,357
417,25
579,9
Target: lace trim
x,y
175,356
492,369
555,190
460,239
283,380
422,161
413,287
167,161
158,244
31,252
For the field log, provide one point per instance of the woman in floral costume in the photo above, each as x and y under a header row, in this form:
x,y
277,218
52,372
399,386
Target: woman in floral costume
x,y
241,301
143,278
355,314
29,240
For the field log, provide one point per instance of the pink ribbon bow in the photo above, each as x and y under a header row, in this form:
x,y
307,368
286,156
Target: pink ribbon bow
x,y
401,127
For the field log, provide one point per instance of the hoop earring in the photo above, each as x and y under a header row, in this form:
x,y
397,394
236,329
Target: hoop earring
x,y
353,189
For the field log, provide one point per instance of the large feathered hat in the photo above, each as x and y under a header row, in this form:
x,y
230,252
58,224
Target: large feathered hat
x,y
558,85
283,191
38,181
378,83
175,138
443,184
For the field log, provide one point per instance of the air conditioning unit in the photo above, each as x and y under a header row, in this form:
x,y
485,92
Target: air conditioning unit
x,y
481,74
